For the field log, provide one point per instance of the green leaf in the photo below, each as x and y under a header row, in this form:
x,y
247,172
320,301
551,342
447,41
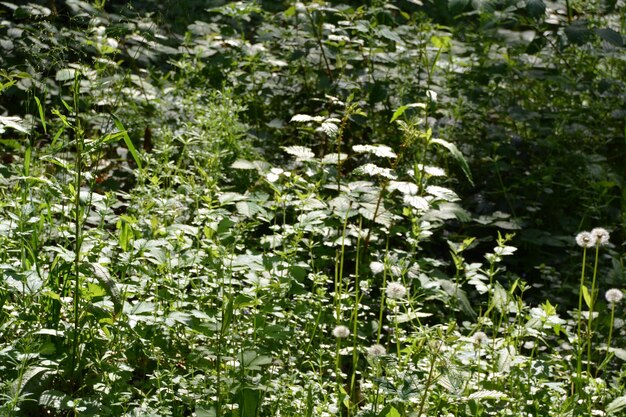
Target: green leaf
x,y
611,36
104,278
227,315
205,412
65,74
586,296
616,405
13,122
56,400
128,142
457,6
400,111
249,400
535,8
577,33
41,115
389,411
457,155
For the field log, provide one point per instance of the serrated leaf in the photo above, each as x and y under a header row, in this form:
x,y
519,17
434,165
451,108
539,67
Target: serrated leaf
x,y
65,74
333,158
330,129
14,122
375,171
242,164
382,151
535,8
104,278
248,208
51,332
442,193
619,353
577,33
55,399
302,153
30,379
457,6
385,32
616,405
306,118
611,36
457,156
490,394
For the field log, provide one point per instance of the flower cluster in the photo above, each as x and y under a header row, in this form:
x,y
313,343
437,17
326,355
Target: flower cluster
x,y
598,236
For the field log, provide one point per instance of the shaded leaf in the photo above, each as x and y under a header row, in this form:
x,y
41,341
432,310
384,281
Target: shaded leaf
x,y
535,8
457,155
611,36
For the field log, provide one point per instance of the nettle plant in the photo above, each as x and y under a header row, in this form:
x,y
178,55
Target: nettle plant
x,y
347,234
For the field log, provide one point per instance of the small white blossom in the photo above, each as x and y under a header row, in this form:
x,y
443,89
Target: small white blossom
x,y
395,290
600,236
376,350
614,296
585,240
341,332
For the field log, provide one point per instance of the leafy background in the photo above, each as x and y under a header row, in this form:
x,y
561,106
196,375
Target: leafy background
x,y
189,206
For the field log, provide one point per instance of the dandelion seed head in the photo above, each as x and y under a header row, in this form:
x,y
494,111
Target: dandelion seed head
x,y
376,350
600,236
585,240
614,296
377,267
480,338
395,290
341,332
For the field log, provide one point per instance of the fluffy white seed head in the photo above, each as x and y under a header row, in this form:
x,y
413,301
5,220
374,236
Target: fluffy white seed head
x,y
376,350
395,290
341,332
585,240
480,338
614,296
600,236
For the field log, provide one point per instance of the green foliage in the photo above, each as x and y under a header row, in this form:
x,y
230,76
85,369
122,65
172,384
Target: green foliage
x,y
272,208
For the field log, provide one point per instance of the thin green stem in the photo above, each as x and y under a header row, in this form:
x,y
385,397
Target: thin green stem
x,y
580,308
592,296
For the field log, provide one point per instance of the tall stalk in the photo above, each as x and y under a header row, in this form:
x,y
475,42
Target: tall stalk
x,y
78,179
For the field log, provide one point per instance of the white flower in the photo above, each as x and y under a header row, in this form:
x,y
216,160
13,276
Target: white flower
x,y
614,296
341,332
585,240
376,350
395,290
600,236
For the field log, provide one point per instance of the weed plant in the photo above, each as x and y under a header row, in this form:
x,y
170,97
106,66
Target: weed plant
x,y
159,256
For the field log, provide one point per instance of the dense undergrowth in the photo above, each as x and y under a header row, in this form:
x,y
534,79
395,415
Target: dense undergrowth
x,y
311,209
